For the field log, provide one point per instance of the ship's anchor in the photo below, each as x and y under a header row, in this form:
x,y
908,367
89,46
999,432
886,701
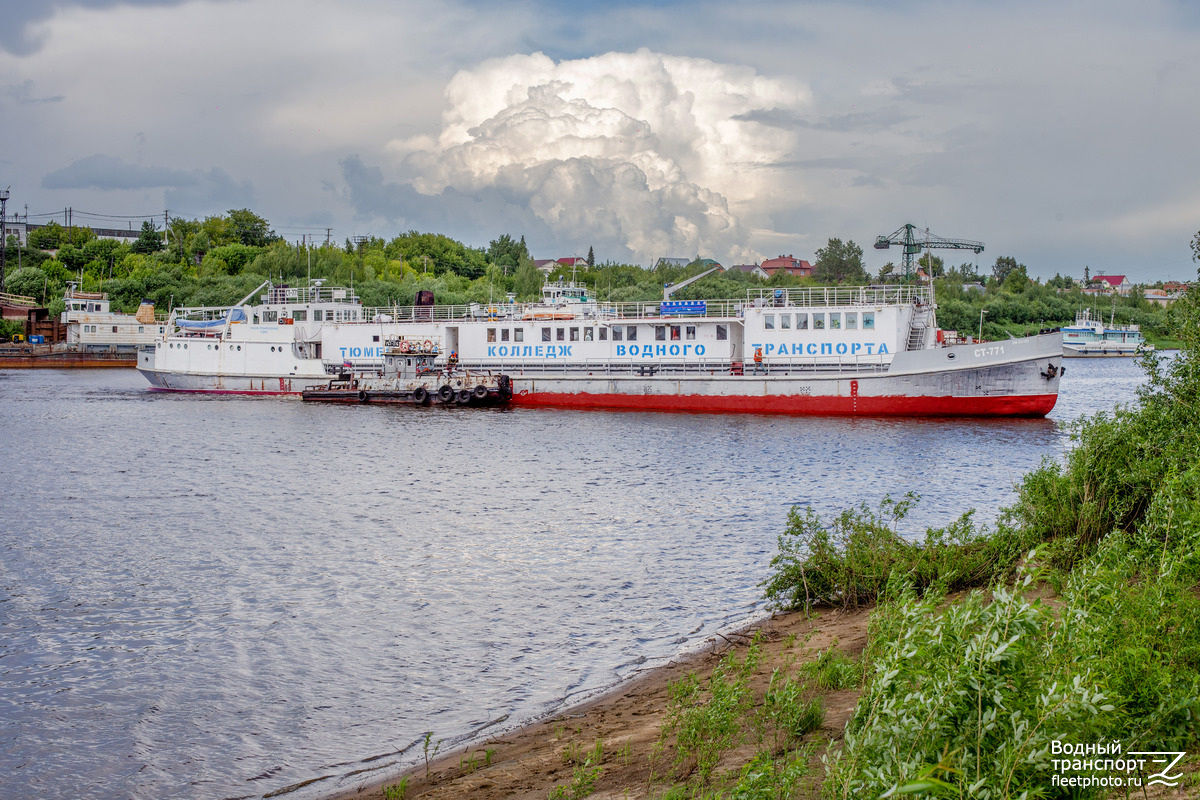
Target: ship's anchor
x,y
1050,373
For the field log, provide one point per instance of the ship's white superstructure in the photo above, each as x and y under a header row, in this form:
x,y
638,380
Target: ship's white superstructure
x,y
844,350
93,327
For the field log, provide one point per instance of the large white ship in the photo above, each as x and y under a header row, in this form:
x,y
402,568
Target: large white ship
x,y
847,350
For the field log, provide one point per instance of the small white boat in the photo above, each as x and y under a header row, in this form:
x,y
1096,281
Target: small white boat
x,y
1091,338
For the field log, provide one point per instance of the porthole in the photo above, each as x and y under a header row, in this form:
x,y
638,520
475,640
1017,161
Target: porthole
x,y
950,355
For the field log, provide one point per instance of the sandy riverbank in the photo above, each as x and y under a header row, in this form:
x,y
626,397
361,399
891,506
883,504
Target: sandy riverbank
x,y
529,762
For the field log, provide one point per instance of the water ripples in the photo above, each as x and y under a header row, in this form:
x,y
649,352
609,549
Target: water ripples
x,y
212,598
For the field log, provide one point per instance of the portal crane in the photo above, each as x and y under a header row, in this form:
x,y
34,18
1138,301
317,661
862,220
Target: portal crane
x,y
914,242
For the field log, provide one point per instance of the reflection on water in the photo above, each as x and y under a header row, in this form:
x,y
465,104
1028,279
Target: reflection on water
x,y
220,597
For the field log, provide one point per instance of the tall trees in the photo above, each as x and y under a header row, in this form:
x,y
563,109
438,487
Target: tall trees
x,y
505,252
250,229
1004,266
839,262
528,281
27,281
433,252
148,241
933,265
53,236
46,238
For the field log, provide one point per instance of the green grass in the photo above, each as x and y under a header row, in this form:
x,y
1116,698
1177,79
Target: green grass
x,y
832,670
706,720
396,791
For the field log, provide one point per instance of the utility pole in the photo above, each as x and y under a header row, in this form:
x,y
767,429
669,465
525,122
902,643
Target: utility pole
x,y
3,235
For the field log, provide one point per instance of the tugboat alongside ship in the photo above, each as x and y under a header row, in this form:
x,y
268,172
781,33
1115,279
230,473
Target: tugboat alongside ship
x,y
869,350
411,376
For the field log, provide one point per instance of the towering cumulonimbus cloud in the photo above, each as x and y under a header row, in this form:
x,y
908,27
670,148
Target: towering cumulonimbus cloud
x,y
648,153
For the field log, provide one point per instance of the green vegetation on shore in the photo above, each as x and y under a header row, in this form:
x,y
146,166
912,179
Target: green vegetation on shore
x,y
1091,653
218,260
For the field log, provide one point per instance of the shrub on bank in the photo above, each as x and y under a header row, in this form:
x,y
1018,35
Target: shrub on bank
x,y
848,562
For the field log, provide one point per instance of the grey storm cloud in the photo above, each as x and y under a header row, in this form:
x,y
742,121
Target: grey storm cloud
x,y
874,120
17,34
196,189
449,211
106,172
22,93
210,189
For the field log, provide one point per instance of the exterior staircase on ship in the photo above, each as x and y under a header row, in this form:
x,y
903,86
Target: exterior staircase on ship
x,y
918,327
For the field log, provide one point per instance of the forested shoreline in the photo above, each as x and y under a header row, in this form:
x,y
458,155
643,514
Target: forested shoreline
x,y
218,260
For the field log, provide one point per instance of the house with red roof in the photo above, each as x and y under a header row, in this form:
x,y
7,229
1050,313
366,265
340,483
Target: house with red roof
x,y
788,264
1113,284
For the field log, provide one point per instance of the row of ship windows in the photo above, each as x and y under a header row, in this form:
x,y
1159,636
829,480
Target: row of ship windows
x,y
626,333
217,347
301,315
92,329
818,321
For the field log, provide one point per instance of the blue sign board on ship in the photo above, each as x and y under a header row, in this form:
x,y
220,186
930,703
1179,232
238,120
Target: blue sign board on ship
x,y
683,308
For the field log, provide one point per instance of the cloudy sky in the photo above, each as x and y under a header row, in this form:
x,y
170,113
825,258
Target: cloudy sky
x,y
1061,133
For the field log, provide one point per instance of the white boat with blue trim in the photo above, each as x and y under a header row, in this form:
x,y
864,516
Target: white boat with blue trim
x,y
1090,337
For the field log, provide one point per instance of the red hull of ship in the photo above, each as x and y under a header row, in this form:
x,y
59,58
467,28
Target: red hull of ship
x,y
1006,406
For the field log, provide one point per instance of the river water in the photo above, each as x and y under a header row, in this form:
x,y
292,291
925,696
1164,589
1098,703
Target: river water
x,y
221,597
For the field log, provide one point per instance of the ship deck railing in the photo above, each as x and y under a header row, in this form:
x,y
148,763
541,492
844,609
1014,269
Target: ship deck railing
x,y
511,313
18,300
821,296
716,368
592,310
308,294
